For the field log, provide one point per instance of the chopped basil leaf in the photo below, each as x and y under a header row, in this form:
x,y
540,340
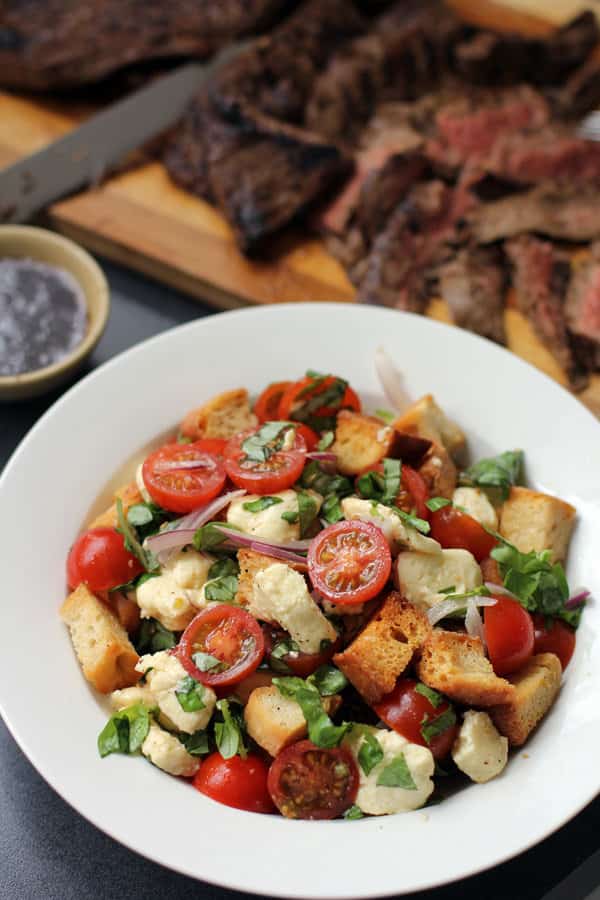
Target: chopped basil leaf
x,y
183,439
321,730
261,445
311,373
353,812
386,415
498,473
204,662
190,694
320,397
479,591
447,590
370,485
255,506
278,654
434,697
209,536
314,477
223,566
153,637
436,503
229,733
132,544
328,680
397,774
196,744
331,509
222,590
290,516
139,514
392,473
370,753
430,728
414,521
307,512
326,441
125,731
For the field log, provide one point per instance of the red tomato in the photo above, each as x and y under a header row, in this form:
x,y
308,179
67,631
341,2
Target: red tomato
x,y
308,782
509,635
311,438
453,528
349,562
406,710
278,472
230,635
182,489
413,492
296,662
99,559
553,637
266,408
298,393
237,782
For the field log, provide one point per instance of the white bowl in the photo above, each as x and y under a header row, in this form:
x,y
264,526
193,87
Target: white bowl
x,y
72,453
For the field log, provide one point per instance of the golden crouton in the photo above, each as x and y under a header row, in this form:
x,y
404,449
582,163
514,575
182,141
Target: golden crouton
x,y
536,686
221,417
361,442
251,563
259,679
438,472
455,664
275,721
426,419
107,657
534,521
384,648
129,496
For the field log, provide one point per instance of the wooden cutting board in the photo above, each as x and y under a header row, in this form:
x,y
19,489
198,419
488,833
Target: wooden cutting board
x,y
140,219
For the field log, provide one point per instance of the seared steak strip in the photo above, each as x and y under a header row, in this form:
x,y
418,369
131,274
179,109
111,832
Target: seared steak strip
x,y
474,284
583,309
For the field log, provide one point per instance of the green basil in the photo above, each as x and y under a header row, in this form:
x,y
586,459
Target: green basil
x,y
327,439
414,521
434,697
223,566
279,652
190,694
392,474
222,590
386,415
196,744
435,503
125,731
130,539
256,506
353,812
321,730
397,774
328,680
261,445
153,637
331,509
370,753
209,536
307,512
330,397
431,728
497,473
290,516
370,485
229,733
183,439
204,662
139,514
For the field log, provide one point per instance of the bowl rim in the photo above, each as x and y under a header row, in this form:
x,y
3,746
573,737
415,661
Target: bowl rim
x,y
97,322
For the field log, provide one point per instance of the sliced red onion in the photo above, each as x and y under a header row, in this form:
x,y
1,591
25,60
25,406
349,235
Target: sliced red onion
x,y
169,540
322,456
278,553
446,607
242,539
170,465
499,589
181,532
474,622
391,381
577,598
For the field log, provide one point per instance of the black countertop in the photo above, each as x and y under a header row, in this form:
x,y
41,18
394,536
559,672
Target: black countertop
x,y
49,852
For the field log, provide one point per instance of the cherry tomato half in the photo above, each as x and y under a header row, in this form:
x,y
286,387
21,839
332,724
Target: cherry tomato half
x,y
280,471
181,488
509,635
309,387
555,637
349,562
237,782
406,710
266,408
230,643
452,528
308,782
296,662
413,492
98,558
311,438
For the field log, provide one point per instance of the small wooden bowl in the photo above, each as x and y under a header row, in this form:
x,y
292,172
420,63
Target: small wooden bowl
x,y
24,242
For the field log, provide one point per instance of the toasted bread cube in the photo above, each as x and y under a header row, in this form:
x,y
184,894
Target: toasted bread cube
x,y
129,496
536,686
534,521
275,721
106,655
361,442
384,648
439,472
455,665
259,679
251,563
426,419
221,417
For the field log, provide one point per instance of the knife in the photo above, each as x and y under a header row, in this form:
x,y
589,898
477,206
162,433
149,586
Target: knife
x,y
85,154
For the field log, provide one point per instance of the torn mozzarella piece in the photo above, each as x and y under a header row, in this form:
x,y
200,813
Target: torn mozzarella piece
x,y
168,753
268,524
173,596
479,751
476,504
164,673
421,576
398,534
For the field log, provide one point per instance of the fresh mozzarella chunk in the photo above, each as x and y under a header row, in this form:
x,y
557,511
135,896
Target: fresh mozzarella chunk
x,y
421,576
168,753
479,751
164,673
269,524
398,534
380,800
281,595
140,693
476,504
139,480
173,596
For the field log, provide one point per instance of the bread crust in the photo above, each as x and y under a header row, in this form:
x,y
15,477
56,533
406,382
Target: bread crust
x,y
129,495
222,417
251,563
361,442
532,520
536,687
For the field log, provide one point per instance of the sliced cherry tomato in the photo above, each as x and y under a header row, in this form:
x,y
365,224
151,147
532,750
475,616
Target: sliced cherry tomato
x,y
553,636
301,392
349,562
182,488
216,446
452,528
413,492
237,782
311,438
266,408
227,634
98,558
308,782
280,471
509,635
408,711
296,662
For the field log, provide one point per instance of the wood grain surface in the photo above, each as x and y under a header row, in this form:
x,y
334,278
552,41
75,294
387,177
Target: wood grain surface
x,y
140,219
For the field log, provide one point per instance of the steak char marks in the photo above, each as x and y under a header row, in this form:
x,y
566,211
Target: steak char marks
x,y
583,309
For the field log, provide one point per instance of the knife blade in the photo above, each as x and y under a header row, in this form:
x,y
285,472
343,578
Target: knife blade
x,y
85,154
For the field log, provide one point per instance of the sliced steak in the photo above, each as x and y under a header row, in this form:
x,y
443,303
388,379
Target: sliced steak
x,y
580,93
552,152
474,285
583,309
541,276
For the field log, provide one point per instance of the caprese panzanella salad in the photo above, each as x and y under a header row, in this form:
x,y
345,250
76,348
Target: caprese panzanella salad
x,y
303,607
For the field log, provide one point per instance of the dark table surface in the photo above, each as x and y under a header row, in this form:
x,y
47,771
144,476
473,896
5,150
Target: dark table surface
x,y
49,852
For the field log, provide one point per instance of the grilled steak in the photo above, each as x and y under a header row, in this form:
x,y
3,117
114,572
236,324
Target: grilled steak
x,y
580,93
474,284
541,276
583,309
62,43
